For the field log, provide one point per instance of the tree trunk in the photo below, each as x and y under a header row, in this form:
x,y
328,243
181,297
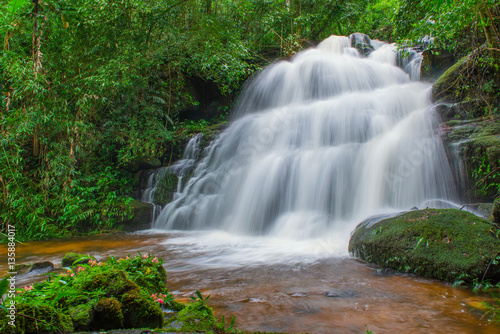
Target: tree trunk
x,y
491,33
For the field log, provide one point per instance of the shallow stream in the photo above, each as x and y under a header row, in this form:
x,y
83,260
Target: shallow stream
x,y
269,285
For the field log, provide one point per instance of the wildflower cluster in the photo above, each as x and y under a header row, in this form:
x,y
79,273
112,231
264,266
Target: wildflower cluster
x,y
95,263
160,298
27,288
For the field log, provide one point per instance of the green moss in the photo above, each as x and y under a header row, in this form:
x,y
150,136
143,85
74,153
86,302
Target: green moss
x,y
141,310
196,316
82,315
107,314
41,319
73,259
448,244
114,282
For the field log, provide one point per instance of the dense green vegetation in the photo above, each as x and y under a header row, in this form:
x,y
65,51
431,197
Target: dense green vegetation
x,y
128,292
91,89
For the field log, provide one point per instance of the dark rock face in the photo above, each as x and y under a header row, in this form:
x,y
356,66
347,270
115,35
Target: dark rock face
x,y
496,212
140,216
362,43
435,63
449,244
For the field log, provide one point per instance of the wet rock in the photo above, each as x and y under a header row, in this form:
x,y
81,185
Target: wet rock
x,y
26,268
477,143
341,294
362,43
449,244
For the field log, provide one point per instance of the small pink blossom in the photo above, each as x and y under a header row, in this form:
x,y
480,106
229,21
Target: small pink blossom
x,y
145,256
155,260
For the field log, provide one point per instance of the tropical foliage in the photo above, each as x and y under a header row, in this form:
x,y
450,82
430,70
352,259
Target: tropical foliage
x,y
90,89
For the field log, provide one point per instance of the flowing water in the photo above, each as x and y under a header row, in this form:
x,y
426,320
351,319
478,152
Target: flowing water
x,y
318,144
298,293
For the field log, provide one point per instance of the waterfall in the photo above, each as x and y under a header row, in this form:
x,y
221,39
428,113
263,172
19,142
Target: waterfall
x,y
318,144
180,168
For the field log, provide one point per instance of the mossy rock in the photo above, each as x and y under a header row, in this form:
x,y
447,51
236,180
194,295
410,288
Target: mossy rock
x,y
108,314
73,259
446,85
141,311
113,283
196,316
447,244
82,316
49,320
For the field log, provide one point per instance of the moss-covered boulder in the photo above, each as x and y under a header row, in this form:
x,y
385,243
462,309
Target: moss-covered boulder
x,y
73,259
48,320
113,282
107,314
141,310
82,316
449,244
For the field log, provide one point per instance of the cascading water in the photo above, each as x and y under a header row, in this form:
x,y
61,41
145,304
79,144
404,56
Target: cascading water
x,y
181,168
318,144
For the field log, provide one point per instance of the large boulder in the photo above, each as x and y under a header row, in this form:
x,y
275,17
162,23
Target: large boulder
x,y
447,244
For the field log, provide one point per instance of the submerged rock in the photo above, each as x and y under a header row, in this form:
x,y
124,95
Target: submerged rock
x,y
449,244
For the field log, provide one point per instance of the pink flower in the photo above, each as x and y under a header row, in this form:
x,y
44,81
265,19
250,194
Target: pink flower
x,y
145,256
159,300
72,274
155,260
